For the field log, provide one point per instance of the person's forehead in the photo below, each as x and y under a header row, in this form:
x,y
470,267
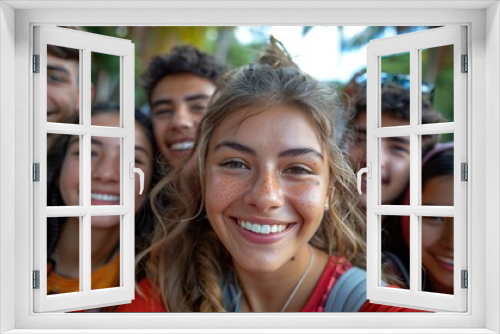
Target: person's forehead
x,y
71,65
181,85
389,119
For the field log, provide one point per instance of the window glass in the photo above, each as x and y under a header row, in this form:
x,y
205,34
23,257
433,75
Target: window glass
x,y
395,243
105,252
394,169
437,254
63,254
63,77
105,77
395,89
437,83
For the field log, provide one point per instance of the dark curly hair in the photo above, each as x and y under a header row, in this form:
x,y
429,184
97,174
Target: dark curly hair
x,y
182,59
395,102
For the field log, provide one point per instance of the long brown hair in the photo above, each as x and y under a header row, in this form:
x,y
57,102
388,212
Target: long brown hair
x,y
186,259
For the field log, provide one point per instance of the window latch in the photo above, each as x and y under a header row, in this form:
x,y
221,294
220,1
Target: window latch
x,y
139,171
368,171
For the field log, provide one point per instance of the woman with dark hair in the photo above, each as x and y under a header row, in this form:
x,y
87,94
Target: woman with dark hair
x,y
437,232
63,190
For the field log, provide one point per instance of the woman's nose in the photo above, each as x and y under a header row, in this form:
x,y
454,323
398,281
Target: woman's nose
x,y
107,169
266,192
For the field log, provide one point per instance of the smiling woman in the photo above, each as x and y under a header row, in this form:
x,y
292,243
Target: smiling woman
x,y
63,188
264,217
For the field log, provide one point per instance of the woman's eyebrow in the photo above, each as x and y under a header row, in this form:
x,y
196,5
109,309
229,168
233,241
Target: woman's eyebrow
x,y
301,151
235,146
293,152
140,148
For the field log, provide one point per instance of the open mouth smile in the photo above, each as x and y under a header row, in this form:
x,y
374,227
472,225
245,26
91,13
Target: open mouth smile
x,y
182,146
104,197
260,228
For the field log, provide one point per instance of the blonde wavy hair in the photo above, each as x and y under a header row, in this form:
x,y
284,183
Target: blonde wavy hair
x,y
186,260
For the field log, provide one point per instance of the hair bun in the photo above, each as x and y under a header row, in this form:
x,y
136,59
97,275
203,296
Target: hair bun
x,y
276,55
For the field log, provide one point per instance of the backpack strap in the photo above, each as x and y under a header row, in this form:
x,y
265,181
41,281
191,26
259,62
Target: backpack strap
x,y
348,294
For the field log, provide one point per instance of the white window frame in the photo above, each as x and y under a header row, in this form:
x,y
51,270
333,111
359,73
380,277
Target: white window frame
x,y
124,50
483,20
414,43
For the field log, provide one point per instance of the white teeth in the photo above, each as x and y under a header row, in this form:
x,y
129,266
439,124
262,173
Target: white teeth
x,y
186,145
105,197
446,260
261,229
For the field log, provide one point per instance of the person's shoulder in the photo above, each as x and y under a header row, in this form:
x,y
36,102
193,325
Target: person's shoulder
x,y
147,299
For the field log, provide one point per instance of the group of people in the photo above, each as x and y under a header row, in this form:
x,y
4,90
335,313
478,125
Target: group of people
x,y
249,201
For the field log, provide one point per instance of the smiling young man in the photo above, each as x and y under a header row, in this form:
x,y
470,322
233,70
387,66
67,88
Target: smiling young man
x,y
395,151
179,86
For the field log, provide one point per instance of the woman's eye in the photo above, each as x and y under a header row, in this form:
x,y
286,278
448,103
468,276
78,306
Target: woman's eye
x,y
234,164
297,170
93,153
401,149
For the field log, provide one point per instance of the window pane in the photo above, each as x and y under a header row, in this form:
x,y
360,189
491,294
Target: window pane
x,y
105,78
63,255
438,173
394,169
395,90
437,84
63,66
105,168
437,254
395,241
105,252
63,170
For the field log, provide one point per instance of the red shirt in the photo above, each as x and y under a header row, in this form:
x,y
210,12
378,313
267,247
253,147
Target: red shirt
x,y
152,301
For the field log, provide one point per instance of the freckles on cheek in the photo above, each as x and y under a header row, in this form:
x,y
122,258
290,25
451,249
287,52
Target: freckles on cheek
x,y
221,190
308,198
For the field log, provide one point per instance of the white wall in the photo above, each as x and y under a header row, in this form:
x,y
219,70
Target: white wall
x,y
7,164
492,152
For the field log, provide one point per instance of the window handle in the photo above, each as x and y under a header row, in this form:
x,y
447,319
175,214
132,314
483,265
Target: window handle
x,y
141,175
366,170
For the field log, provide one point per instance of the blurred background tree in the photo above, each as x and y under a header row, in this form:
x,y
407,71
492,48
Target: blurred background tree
x,y
152,41
227,46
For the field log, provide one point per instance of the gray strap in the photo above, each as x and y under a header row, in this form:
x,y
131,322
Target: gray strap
x,y
349,292
231,293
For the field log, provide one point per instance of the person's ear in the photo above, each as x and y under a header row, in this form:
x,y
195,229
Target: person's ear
x,y
329,198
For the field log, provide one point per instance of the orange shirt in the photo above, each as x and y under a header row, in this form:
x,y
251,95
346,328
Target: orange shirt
x,y
106,276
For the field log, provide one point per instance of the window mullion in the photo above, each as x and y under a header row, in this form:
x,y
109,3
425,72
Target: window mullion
x,y
85,182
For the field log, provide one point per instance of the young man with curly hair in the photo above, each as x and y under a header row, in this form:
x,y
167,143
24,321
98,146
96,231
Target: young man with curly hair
x,y
395,151
179,86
